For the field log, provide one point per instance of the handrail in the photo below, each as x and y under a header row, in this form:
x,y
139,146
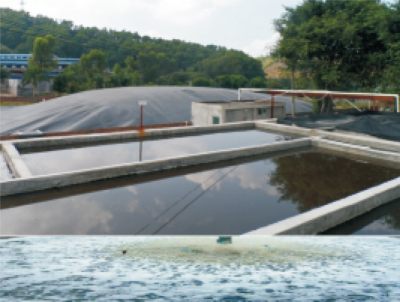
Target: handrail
x,y
338,93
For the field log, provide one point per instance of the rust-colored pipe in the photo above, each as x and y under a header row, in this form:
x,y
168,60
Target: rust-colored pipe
x,y
141,118
272,106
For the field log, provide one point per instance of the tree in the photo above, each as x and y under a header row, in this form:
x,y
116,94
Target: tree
x,y
60,83
164,64
42,61
134,79
238,81
201,82
258,82
338,43
71,80
93,66
224,81
179,78
273,83
391,79
43,53
34,75
231,63
147,66
4,49
130,64
389,21
4,74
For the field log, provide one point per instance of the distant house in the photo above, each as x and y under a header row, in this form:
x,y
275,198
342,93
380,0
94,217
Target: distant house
x,y
17,65
221,112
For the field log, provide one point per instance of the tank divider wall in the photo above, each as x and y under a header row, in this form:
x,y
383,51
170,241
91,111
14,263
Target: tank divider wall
x,y
14,161
37,183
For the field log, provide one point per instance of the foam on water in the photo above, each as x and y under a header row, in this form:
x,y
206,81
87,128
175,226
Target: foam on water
x,y
88,268
243,250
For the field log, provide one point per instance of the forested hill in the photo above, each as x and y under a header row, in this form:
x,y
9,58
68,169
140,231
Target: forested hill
x,y
19,30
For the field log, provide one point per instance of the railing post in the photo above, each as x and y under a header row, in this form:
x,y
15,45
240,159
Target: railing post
x,y
272,106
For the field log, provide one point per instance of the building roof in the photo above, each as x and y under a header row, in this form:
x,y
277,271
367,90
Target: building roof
x,y
19,60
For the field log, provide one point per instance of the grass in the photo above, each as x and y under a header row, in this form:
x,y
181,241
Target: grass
x,y
16,104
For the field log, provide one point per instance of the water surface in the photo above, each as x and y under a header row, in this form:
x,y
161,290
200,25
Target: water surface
x,y
93,268
231,198
41,163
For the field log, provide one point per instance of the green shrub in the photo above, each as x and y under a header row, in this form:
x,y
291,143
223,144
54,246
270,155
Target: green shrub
x,y
202,82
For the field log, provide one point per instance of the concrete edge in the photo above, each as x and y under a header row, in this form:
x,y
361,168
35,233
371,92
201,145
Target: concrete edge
x,y
377,143
356,150
285,128
129,135
14,161
37,183
326,217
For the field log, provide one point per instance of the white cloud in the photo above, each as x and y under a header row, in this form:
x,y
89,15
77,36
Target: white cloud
x,y
261,47
250,179
132,189
206,179
124,12
132,205
61,216
185,12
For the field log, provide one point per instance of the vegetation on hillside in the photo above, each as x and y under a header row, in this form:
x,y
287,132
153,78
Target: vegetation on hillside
x,y
132,59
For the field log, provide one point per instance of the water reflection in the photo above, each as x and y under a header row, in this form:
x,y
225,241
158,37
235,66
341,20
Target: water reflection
x,y
57,161
313,179
231,199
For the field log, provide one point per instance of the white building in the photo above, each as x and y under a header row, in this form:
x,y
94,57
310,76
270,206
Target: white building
x,y
221,112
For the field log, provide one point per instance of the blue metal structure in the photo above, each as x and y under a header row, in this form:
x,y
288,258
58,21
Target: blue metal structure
x,y
17,63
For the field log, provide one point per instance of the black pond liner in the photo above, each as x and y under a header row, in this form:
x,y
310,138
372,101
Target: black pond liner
x,y
118,107
380,124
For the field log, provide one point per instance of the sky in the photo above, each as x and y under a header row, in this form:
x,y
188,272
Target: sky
x,y
239,24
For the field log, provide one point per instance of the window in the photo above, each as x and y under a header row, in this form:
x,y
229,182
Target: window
x,y
262,111
215,120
